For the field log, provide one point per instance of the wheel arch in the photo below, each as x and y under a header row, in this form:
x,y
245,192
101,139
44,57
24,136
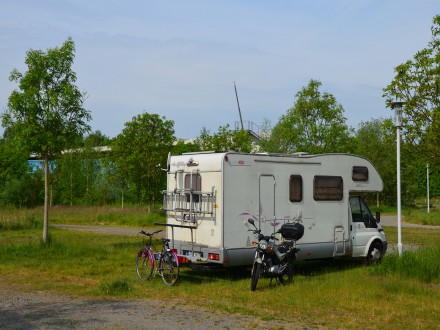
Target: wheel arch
x,y
370,242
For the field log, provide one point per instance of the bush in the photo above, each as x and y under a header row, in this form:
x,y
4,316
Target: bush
x,y
25,191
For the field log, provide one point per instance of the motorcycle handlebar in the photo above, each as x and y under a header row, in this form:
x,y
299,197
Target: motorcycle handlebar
x,y
258,231
255,231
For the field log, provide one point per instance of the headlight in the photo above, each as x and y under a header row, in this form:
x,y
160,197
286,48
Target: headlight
x,y
262,245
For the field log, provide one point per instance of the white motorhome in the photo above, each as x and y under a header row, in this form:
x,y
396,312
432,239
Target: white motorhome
x,y
210,196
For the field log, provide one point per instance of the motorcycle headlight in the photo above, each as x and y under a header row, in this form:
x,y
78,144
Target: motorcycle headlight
x,y
262,245
270,245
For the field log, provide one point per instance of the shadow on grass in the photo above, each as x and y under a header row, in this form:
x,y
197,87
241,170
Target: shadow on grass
x,y
324,266
302,268
213,274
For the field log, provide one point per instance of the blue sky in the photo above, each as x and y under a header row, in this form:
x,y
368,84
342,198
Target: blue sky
x,y
180,59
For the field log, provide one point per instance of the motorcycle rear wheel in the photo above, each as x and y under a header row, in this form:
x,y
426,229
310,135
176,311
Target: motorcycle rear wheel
x,y
255,275
287,276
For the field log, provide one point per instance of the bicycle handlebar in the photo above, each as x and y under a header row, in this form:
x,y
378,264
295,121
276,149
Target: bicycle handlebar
x,y
143,232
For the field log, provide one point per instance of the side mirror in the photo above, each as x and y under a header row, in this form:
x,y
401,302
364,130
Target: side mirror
x,y
377,216
251,221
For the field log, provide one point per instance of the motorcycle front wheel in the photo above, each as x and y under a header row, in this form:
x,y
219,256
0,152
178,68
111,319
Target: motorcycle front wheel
x,y
255,275
287,275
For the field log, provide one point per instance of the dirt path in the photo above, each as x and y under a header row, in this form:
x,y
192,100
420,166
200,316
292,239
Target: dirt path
x,y
125,231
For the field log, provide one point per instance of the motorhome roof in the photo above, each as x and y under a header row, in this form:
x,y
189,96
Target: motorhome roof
x,y
273,154
295,154
204,152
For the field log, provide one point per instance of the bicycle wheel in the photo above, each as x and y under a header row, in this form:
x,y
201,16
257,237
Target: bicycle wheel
x,y
169,268
144,264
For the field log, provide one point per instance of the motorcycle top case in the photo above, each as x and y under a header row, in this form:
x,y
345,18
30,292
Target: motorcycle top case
x,y
292,231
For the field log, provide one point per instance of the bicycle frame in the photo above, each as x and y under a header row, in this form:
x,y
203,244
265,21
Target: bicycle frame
x,y
168,261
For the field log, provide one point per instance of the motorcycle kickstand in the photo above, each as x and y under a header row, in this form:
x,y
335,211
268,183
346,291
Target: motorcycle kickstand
x,y
276,280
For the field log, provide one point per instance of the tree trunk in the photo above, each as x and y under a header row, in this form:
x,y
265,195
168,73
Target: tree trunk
x,y
46,201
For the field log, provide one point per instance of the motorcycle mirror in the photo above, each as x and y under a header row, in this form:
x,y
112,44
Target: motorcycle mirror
x,y
251,221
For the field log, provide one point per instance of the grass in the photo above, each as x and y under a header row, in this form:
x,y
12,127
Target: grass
x,y
417,215
422,217
325,294
414,237
16,219
422,264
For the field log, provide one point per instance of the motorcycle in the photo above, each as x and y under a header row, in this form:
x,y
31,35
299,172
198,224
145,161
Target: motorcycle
x,y
275,260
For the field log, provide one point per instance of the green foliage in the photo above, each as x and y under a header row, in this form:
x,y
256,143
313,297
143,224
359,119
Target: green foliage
x,y
17,186
419,180
47,110
25,191
139,153
315,124
375,140
68,178
417,83
13,158
96,139
181,147
79,177
225,140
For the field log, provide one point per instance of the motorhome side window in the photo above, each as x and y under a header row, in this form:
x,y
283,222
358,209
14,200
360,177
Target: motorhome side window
x,y
327,188
295,188
193,183
359,173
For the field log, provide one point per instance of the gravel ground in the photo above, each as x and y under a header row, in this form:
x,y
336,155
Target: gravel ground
x,y
45,310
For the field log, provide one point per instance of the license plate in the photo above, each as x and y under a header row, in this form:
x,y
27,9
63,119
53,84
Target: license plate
x,y
196,254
